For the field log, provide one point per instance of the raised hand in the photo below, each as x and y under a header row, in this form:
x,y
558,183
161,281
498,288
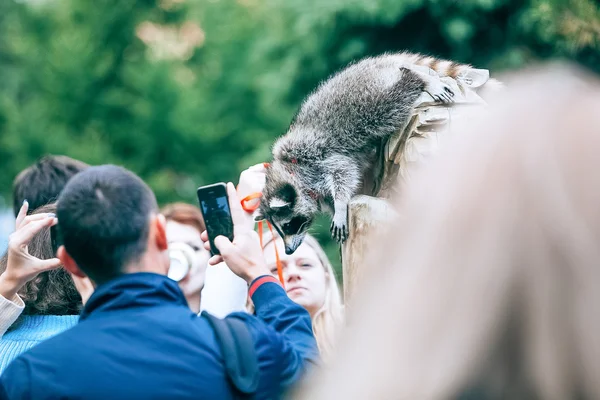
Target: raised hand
x,y
243,256
21,267
252,181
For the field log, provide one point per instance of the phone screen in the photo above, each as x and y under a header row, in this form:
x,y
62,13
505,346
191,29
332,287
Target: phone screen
x,y
214,205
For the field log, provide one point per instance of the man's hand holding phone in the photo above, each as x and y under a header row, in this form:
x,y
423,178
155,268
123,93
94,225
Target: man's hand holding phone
x,y
243,255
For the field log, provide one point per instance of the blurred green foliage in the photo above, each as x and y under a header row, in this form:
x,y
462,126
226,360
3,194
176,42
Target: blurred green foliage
x,y
187,93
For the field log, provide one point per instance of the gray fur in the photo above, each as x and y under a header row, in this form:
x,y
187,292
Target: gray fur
x,y
332,141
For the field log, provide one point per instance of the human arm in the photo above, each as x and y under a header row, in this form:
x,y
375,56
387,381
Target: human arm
x,y
292,323
225,292
291,334
21,267
10,310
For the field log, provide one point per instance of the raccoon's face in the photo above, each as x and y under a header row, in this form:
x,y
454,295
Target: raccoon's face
x,y
292,230
289,213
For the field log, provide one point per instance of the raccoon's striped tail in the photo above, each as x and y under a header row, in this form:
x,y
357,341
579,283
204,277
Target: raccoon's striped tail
x,y
442,67
448,68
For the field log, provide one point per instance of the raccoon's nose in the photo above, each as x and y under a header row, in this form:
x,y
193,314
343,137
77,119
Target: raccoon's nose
x,y
289,250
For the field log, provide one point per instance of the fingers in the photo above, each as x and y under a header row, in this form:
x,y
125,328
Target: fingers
x,y
27,232
224,245
22,214
226,248
35,217
258,168
205,240
214,260
237,214
46,265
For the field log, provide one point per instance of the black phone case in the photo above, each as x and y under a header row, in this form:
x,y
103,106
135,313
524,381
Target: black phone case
x,y
55,238
214,191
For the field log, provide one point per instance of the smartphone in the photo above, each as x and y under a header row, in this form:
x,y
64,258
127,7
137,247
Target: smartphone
x,y
55,238
214,205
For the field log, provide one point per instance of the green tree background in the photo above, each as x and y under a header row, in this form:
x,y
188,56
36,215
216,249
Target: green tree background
x,y
187,93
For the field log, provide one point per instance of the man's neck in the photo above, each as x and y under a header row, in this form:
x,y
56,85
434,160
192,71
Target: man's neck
x,y
194,302
149,262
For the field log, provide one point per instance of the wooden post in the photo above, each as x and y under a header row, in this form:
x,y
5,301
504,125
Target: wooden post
x,y
367,214
420,139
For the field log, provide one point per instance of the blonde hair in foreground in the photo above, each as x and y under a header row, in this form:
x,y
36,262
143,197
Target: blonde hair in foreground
x,y
329,319
489,287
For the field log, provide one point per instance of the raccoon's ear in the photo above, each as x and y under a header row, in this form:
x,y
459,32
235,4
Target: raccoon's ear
x,y
285,196
278,203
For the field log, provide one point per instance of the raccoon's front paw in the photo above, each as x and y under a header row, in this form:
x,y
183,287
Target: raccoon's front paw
x,y
339,230
440,91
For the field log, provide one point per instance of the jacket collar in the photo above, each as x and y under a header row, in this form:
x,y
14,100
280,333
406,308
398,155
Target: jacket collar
x,y
137,290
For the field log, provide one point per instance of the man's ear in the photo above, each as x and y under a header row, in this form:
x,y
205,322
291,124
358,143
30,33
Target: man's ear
x,y
68,262
160,227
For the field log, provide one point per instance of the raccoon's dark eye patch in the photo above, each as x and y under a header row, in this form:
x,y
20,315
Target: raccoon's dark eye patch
x,y
294,225
282,212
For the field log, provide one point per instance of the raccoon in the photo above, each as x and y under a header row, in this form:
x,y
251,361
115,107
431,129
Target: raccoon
x,y
319,163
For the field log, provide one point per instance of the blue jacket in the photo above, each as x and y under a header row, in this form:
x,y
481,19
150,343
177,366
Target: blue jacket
x,y
137,339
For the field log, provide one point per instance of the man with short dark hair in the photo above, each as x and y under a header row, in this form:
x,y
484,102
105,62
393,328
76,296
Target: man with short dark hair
x,y
42,182
137,338
104,220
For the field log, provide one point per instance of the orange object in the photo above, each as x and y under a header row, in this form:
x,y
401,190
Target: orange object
x,y
253,207
250,207
277,259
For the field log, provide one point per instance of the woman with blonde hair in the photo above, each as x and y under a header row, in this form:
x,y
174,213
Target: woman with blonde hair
x,y
490,286
310,281
307,274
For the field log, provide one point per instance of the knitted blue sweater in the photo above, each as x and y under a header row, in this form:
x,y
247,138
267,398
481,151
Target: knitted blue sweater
x,y
31,331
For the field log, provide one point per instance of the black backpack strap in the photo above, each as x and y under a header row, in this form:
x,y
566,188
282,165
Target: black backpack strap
x,y
239,353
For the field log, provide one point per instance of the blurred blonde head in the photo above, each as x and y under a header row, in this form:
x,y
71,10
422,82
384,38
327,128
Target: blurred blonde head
x,y
490,284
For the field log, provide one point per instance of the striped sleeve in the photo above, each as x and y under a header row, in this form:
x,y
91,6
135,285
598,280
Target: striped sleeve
x,y
9,312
